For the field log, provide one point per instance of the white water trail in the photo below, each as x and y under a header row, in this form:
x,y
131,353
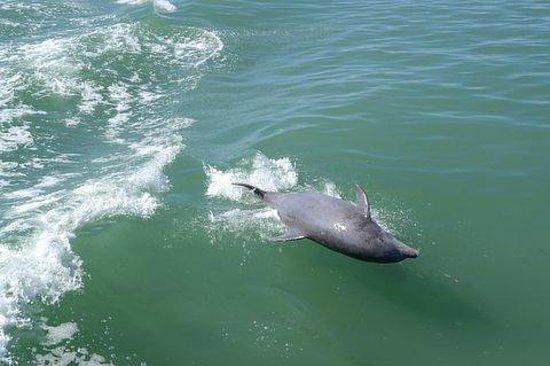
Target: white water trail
x,y
49,196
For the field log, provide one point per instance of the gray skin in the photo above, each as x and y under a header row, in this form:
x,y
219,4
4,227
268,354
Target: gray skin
x,y
337,224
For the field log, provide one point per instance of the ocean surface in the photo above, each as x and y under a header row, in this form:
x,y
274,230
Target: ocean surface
x,y
123,124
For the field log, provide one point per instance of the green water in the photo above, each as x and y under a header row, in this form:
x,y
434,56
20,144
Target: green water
x,y
123,124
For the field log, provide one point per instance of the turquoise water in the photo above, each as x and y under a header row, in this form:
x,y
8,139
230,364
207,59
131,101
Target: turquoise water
x,y
123,123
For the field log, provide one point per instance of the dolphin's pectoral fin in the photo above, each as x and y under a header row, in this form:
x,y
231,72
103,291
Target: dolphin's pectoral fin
x,y
362,200
289,234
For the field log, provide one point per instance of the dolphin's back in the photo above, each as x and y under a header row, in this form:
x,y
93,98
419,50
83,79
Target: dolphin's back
x,y
316,203
315,212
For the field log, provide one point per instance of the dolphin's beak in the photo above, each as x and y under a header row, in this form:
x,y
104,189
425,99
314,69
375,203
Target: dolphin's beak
x,y
409,252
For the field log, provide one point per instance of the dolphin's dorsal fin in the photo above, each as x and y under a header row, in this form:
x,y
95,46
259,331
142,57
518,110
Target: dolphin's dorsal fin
x,y
362,200
290,233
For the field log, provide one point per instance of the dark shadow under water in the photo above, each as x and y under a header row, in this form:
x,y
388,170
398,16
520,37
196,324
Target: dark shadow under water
x,y
427,293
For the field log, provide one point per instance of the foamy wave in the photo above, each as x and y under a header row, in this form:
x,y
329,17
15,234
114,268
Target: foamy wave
x,y
43,212
58,63
44,265
51,64
40,270
9,114
15,136
10,83
91,97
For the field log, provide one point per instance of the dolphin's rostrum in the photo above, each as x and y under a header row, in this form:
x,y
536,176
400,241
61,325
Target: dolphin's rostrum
x,y
336,224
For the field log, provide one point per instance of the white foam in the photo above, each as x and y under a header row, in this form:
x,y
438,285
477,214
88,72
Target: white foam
x,y
268,174
70,122
9,23
51,64
7,169
39,270
15,137
65,356
49,181
10,83
208,46
43,214
58,348
261,171
10,114
57,63
91,98
132,2
162,5
146,96
118,94
122,37
34,204
60,333
44,266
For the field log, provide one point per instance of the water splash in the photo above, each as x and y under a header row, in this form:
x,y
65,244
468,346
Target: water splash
x,y
251,216
269,174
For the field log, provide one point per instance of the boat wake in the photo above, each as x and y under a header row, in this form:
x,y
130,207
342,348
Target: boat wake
x,y
81,141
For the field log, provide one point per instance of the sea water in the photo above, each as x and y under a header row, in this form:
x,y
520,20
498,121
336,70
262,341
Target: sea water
x,y
123,124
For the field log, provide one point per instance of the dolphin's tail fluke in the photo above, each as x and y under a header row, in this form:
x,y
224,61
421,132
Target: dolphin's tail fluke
x,y
257,191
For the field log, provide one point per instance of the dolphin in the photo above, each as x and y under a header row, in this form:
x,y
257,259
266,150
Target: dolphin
x,y
339,225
